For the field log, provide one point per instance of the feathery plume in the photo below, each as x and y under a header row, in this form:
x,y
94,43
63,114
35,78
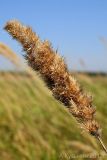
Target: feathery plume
x,y
43,59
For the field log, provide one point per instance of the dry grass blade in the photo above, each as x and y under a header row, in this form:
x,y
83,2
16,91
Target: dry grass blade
x,y
14,58
9,54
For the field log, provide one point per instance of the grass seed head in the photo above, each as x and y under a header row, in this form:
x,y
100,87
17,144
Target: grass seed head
x,y
42,58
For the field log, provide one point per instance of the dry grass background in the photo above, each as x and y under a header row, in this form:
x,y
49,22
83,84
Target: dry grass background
x,y
35,126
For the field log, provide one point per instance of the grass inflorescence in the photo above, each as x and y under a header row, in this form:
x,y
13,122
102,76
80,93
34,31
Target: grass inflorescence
x,y
43,59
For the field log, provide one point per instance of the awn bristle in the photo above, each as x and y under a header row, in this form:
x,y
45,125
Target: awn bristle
x,y
42,58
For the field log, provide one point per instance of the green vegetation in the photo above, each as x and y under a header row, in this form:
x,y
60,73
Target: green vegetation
x,y
33,125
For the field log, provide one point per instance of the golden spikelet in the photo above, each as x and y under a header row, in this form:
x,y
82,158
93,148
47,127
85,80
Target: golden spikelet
x,y
42,58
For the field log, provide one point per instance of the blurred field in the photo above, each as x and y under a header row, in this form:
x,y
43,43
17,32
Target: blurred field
x,y
33,125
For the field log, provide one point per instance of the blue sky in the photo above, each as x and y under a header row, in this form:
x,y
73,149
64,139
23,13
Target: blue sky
x,y
73,26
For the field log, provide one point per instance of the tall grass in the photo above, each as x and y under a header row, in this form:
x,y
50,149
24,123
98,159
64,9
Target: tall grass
x,y
27,106
33,124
